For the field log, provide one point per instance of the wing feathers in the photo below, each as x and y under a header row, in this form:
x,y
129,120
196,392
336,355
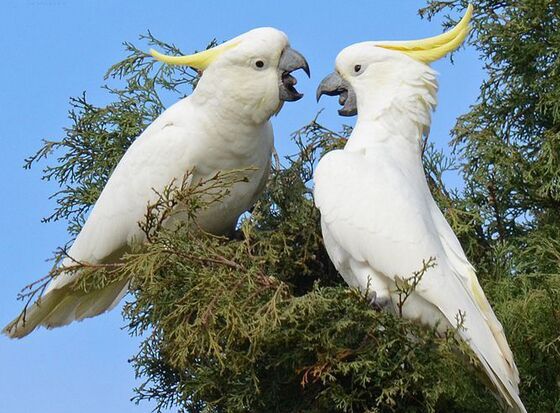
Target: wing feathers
x,y
465,272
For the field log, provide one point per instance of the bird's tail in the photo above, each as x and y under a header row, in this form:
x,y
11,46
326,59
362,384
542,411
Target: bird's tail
x,y
498,363
506,389
61,306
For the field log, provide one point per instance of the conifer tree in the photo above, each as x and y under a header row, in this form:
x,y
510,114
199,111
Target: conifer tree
x,y
509,150
262,322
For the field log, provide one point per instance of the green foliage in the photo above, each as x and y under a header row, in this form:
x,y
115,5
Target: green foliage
x,y
509,146
510,140
263,323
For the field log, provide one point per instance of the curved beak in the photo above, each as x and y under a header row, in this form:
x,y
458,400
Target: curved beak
x,y
290,61
335,85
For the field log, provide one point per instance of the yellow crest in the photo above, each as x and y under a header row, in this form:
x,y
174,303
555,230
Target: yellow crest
x,y
433,48
200,60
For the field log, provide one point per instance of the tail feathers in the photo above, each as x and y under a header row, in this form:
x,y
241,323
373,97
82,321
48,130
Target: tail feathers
x,y
485,335
100,301
496,328
61,306
506,387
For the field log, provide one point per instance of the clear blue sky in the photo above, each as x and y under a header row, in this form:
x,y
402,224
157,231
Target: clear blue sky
x,y
54,49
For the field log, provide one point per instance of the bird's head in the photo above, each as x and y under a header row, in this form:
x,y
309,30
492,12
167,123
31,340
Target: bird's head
x,y
249,76
371,75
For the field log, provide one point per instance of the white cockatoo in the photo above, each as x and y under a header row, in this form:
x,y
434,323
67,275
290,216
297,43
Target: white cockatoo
x,y
223,125
378,217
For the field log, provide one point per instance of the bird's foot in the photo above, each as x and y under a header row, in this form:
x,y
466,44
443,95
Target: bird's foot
x,y
237,235
378,302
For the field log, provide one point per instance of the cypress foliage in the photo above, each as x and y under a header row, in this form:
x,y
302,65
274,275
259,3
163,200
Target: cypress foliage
x,y
263,323
509,147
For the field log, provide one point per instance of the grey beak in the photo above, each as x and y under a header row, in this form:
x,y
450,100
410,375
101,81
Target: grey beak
x,y
334,85
290,61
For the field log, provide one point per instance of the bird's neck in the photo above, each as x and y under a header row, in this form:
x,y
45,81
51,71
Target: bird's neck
x,y
395,117
228,137
216,98
388,132
396,114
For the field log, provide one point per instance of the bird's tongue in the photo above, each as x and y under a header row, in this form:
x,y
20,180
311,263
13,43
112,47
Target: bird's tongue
x,y
342,97
289,83
288,79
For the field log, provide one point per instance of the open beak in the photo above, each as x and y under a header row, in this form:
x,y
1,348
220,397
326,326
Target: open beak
x,y
290,61
335,85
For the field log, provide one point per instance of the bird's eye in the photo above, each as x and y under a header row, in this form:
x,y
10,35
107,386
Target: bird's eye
x,y
258,63
357,68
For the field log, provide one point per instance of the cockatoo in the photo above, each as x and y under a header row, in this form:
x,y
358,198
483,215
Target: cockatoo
x,y
378,218
223,125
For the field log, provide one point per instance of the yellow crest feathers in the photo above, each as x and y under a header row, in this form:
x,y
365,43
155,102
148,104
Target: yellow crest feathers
x,y
433,48
200,60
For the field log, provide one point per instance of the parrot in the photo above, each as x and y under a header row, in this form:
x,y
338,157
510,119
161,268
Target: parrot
x,y
223,125
379,220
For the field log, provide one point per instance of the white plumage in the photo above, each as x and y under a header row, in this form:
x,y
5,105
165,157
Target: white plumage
x,y
379,220
223,125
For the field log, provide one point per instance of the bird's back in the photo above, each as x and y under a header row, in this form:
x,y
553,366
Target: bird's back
x,y
381,223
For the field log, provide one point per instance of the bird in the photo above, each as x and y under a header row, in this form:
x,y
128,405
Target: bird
x,y
223,125
379,221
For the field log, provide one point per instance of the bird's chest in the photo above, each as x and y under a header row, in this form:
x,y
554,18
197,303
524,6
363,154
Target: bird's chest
x,y
233,174
230,193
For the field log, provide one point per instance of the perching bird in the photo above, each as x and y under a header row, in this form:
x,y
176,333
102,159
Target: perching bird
x,y
378,217
222,126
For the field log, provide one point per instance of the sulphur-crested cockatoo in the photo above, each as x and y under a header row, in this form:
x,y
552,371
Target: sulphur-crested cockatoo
x,y
378,218
223,125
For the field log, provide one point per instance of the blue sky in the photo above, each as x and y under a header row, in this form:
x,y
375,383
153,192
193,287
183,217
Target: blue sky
x,y
54,49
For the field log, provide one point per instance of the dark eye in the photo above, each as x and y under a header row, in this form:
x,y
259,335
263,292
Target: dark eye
x,y
259,64
357,68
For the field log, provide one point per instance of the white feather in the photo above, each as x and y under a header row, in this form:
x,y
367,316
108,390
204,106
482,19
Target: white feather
x,y
380,221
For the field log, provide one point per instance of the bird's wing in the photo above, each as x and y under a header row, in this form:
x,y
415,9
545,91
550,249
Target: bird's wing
x,y
165,151
467,274
162,153
379,214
